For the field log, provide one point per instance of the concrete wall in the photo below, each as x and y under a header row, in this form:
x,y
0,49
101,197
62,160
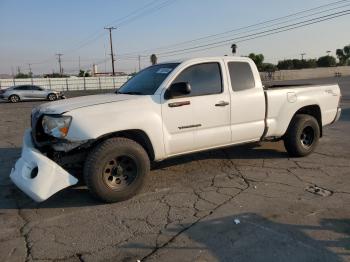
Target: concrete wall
x,y
69,84
307,73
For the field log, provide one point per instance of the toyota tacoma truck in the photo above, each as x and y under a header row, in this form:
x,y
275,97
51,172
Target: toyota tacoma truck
x,y
165,110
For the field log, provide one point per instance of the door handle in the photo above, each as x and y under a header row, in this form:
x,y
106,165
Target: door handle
x,y
178,104
222,103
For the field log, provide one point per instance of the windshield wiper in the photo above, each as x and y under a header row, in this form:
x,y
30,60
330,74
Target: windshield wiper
x,y
130,93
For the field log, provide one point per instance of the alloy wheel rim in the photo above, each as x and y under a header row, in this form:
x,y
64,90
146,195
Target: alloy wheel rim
x,y
120,172
307,137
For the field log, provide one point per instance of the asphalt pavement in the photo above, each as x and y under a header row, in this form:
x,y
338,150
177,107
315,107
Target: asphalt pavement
x,y
245,203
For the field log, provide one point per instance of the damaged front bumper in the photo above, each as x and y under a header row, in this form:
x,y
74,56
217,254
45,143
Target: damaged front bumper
x,y
37,175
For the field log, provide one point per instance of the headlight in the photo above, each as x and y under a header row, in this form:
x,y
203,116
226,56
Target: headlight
x,y
56,126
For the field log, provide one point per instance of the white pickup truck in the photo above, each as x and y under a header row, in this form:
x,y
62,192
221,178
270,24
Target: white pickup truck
x,y
166,110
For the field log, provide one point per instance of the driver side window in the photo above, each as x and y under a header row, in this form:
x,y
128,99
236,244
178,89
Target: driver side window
x,y
36,88
205,79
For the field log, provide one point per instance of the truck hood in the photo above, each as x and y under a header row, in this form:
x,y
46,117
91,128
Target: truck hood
x,y
66,105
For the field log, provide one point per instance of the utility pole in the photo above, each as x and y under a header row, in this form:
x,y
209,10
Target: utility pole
x,y
111,43
30,73
139,63
302,56
79,65
60,63
30,69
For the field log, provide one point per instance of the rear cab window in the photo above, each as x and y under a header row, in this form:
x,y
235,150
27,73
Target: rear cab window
x,y
241,76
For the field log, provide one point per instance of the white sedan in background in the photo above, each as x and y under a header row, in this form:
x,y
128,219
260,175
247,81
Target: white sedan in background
x,y
29,92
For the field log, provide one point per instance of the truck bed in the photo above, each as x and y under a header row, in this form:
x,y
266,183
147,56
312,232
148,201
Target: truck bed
x,y
282,86
285,99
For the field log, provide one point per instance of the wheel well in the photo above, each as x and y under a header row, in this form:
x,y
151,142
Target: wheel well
x,y
137,135
13,95
312,110
50,94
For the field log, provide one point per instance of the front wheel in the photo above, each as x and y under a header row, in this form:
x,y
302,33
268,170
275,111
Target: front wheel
x,y
52,97
302,136
14,98
115,170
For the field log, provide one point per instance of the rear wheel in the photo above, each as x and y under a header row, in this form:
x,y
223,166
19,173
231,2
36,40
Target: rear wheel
x,y
115,170
14,98
52,97
302,135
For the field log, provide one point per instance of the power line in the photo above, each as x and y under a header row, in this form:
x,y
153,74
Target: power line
x,y
145,7
249,26
223,43
118,20
146,10
154,6
250,35
280,23
98,34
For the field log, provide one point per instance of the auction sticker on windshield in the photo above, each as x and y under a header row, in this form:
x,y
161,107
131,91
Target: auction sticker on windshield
x,y
164,70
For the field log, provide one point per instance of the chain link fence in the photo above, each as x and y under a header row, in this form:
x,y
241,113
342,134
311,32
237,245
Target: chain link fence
x,y
68,84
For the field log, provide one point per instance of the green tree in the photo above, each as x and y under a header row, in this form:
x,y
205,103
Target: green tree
x,y
310,63
286,64
54,75
290,64
344,55
268,67
83,73
326,61
258,60
22,75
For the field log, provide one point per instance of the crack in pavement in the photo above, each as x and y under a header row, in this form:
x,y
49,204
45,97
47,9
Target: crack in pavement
x,y
23,232
173,238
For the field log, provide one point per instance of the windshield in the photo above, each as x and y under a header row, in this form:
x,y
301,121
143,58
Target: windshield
x,y
148,80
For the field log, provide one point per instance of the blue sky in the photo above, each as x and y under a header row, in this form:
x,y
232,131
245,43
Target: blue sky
x,y
33,31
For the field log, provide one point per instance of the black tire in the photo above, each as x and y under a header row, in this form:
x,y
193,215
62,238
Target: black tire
x,y
52,97
302,135
14,98
115,169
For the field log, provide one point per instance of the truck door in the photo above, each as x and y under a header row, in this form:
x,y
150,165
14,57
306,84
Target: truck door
x,y
177,114
247,103
204,121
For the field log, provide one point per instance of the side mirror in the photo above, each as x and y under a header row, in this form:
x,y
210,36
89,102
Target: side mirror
x,y
178,90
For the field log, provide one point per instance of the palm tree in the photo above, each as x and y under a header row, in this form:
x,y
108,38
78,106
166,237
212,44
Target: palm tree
x,y
343,55
234,49
153,59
